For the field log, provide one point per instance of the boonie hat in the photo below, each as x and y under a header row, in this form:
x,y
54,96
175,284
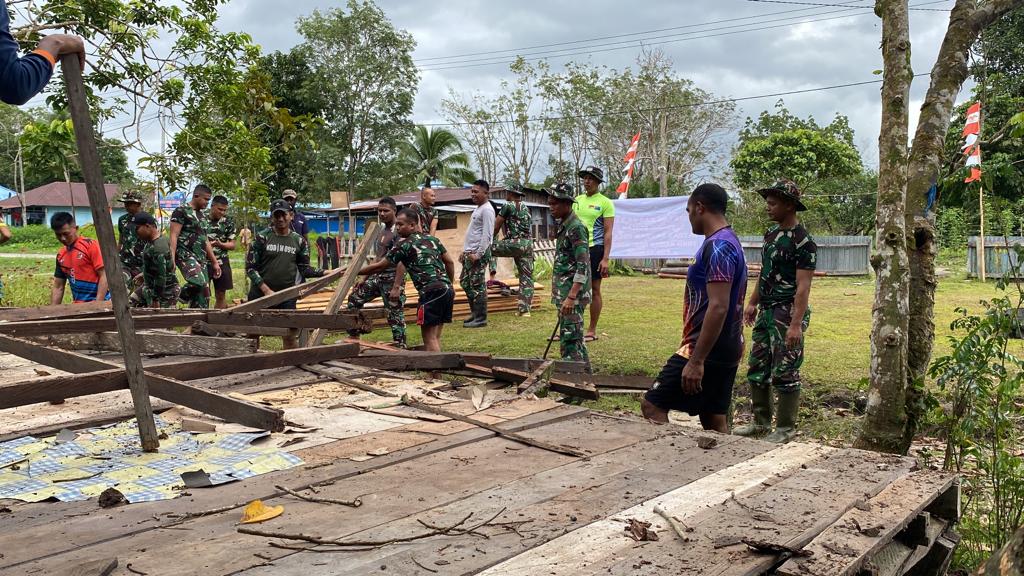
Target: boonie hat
x,y
130,196
592,171
280,205
787,189
289,193
561,191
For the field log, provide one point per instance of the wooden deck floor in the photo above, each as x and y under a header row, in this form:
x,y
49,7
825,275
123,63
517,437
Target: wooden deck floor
x,y
558,514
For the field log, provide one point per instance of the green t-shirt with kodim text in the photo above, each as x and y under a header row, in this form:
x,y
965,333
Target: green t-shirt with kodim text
x,y
592,210
274,260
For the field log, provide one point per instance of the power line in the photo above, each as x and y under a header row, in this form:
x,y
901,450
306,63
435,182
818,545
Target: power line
x,y
659,108
612,37
643,41
821,4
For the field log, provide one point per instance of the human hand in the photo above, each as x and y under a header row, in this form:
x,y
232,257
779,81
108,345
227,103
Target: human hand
x,y
393,295
693,373
794,336
266,290
60,44
216,270
603,268
567,305
474,258
750,315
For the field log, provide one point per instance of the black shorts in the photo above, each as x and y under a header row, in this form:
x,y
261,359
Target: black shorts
x,y
225,282
596,255
286,305
715,394
436,307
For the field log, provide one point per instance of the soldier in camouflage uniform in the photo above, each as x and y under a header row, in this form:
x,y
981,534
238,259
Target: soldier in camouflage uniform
x,y
220,231
779,313
379,285
476,253
514,217
129,249
432,271
191,249
570,273
426,214
159,287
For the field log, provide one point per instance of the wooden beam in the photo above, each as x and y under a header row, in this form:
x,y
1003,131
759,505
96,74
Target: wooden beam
x,y
153,343
214,329
104,324
326,322
535,381
503,433
349,279
579,390
280,296
108,380
57,311
89,162
163,387
408,360
323,371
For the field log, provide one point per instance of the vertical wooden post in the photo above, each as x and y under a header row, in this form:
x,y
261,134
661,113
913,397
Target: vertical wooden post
x,y
981,233
90,162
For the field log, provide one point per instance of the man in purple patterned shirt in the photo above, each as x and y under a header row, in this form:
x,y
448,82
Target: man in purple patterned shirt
x,y
698,378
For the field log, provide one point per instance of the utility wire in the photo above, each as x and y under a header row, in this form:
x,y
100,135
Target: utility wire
x,y
821,4
659,108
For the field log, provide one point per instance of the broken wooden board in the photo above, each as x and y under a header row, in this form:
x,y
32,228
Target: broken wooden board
x,y
407,360
241,321
579,390
153,343
55,311
100,324
297,291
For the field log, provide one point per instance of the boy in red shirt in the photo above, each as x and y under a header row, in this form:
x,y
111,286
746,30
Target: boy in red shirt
x,y
79,263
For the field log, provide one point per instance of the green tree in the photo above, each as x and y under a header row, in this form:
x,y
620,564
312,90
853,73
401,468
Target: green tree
x,y
436,154
51,146
362,85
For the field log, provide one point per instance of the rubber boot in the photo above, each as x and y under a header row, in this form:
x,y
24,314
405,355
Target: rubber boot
x,y
761,407
785,419
472,315
479,313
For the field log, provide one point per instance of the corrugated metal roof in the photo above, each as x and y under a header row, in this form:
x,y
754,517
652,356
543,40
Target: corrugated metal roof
x,y
56,194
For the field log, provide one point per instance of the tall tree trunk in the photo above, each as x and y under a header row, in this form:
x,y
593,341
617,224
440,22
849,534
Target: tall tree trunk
x,y
663,156
886,416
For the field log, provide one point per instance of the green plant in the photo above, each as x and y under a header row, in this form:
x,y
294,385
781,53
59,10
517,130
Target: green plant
x,y
979,410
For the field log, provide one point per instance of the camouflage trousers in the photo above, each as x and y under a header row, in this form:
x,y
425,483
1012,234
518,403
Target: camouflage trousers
x,y
473,277
131,264
570,335
146,297
521,252
195,292
771,361
380,286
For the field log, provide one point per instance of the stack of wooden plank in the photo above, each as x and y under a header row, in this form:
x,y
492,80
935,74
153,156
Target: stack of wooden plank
x,y
496,302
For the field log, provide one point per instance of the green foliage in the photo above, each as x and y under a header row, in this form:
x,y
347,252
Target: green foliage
x,y
951,228
435,154
980,413
51,146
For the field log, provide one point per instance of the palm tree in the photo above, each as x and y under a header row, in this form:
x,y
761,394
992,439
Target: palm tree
x,y
436,155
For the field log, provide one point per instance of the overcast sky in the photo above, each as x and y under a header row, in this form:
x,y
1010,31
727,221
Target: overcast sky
x,y
710,41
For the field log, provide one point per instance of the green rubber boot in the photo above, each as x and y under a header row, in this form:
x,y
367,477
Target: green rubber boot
x,y
761,407
785,422
479,319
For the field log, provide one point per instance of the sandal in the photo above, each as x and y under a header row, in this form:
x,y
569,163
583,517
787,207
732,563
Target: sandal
x,y
590,338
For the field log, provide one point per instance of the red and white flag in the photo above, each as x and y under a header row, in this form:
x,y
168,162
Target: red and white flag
x,y
630,160
971,147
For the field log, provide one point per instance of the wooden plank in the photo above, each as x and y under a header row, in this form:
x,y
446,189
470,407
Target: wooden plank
x,y
103,324
280,296
153,343
574,552
408,360
843,548
323,371
536,380
230,409
579,390
211,329
349,279
55,311
327,322
84,384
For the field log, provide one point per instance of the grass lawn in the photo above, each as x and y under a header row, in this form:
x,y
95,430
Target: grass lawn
x,y
641,327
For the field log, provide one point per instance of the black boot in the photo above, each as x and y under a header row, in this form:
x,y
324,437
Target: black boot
x,y
479,313
472,315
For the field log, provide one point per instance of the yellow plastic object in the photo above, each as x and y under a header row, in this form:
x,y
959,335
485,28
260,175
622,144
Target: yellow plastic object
x,y
256,511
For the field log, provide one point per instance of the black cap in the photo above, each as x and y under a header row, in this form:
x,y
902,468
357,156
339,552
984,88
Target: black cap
x,y
280,205
142,219
592,171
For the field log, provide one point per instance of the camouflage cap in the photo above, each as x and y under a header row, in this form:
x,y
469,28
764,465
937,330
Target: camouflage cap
x,y
130,196
784,188
514,187
560,191
594,171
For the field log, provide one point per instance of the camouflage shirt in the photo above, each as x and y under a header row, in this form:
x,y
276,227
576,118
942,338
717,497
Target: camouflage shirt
x,y
518,222
424,215
158,272
223,230
421,254
572,261
785,251
192,238
130,251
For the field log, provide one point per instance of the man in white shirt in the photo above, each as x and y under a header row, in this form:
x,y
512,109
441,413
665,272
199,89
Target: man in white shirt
x,y
476,252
